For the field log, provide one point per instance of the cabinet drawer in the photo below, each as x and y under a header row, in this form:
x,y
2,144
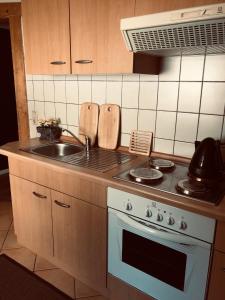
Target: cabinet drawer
x,y
217,279
59,179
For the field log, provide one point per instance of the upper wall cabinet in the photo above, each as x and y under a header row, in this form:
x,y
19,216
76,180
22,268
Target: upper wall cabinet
x,y
144,7
96,41
46,36
79,36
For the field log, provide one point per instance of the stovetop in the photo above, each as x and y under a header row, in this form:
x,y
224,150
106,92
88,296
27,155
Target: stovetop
x,y
169,181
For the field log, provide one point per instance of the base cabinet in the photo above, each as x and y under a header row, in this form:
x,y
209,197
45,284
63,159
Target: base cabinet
x,y
65,230
217,279
32,215
80,238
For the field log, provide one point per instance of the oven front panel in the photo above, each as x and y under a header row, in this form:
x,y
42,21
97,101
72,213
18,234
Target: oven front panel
x,y
162,269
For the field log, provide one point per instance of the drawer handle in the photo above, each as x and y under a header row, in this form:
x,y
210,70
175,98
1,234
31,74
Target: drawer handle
x,y
62,204
84,61
58,62
39,195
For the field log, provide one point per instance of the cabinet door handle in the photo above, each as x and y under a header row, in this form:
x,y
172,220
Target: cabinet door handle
x,y
58,62
84,61
39,195
62,204
223,269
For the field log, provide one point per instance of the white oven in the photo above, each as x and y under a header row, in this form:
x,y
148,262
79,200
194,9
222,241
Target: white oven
x,y
152,247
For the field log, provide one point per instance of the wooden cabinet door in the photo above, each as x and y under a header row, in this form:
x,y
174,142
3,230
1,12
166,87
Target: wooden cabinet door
x,y
46,36
217,278
79,231
144,7
32,215
97,45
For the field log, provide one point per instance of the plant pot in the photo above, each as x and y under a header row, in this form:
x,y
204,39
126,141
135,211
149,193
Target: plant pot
x,y
49,133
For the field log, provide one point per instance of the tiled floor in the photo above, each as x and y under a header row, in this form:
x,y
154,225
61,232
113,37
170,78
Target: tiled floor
x,y
41,267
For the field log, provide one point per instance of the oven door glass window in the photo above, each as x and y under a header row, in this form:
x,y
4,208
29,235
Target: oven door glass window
x,y
159,261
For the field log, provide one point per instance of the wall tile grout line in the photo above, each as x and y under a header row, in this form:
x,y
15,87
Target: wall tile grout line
x,y
178,95
202,86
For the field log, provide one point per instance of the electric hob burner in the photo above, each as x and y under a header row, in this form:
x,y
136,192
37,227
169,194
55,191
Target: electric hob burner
x,y
145,175
162,164
192,188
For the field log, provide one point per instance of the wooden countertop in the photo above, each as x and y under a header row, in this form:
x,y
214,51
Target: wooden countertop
x,y
217,212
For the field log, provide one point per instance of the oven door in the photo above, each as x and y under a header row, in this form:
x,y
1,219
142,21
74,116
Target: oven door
x,y
162,263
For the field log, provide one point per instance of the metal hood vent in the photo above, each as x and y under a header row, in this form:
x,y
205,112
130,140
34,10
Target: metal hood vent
x,y
187,32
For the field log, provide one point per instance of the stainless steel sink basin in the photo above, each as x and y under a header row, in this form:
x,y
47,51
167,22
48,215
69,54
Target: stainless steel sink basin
x,y
97,159
56,150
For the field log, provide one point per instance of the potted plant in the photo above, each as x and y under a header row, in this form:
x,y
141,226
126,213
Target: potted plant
x,y
49,129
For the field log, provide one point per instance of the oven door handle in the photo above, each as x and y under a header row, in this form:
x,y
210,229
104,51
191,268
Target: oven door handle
x,y
159,233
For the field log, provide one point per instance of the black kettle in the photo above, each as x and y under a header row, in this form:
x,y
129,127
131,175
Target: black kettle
x,y
206,164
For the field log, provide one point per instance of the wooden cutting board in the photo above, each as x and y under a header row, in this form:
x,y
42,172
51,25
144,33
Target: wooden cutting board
x,y
88,124
108,126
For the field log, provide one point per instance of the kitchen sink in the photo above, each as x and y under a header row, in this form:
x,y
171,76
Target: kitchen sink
x,y
97,159
57,150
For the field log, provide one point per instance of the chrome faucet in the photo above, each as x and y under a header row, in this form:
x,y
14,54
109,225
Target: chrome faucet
x,y
87,140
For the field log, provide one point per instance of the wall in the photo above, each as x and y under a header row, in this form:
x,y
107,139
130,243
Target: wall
x,y
184,103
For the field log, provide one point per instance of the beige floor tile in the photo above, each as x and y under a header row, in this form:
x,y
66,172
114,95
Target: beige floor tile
x,y
23,256
83,291
11,241
59,279
3,234
43,264
12,226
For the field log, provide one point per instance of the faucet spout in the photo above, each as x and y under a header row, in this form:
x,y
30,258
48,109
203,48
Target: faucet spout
x,y
87,140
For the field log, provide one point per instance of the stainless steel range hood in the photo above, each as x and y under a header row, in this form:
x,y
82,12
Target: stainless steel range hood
x,y
189,31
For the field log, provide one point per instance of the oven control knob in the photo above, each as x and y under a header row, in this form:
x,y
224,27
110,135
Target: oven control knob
x,y
170,221
183,225
129,206
148,213
159,217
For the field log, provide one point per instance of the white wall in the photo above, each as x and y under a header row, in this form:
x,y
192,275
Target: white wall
x,y
9,1
184,103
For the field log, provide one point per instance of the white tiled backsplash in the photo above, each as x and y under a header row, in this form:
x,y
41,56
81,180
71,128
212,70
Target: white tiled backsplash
x,y
184,103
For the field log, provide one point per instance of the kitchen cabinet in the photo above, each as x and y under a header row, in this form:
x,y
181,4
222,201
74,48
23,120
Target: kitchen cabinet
x,y
32,215
80,36
79,238
46,36
217,278
144,7
96,41
69,231
96,38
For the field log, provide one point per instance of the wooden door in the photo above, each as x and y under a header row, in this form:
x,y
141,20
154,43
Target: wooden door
x,y
97,45
119,59
79,231
217,278
32,215
46,36
144,7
